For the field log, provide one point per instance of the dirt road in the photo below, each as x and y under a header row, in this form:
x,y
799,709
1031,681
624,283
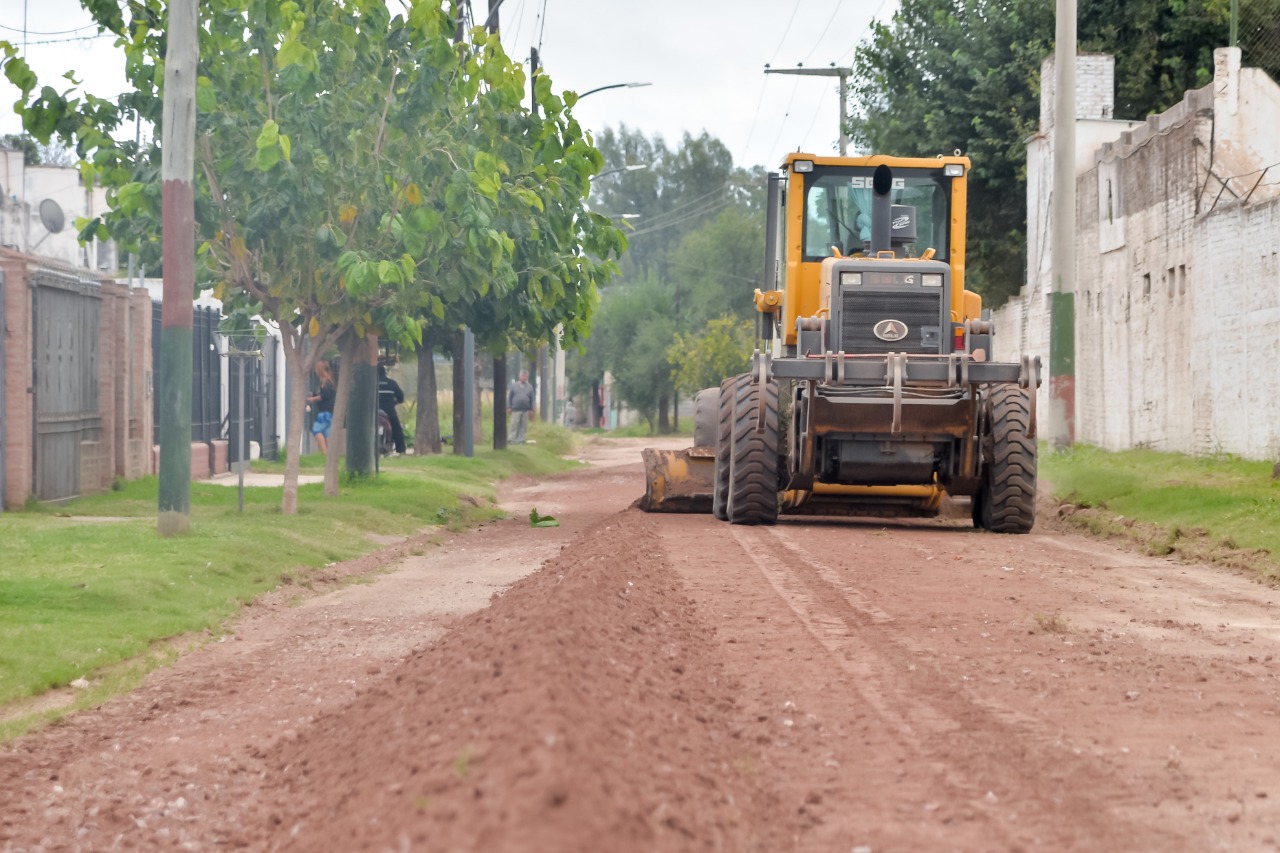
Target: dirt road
x,y
674,683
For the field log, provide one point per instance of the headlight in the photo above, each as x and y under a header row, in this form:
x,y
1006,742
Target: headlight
x,y
802,166
953,170
931,279
848,278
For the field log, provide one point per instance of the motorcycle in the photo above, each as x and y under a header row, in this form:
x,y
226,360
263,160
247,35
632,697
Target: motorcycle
x,y
385,443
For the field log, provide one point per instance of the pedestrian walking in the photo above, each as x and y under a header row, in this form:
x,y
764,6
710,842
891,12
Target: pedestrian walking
x,y
519,405
321,403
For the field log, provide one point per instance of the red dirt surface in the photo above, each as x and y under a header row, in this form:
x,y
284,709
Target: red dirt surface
x,y
643,682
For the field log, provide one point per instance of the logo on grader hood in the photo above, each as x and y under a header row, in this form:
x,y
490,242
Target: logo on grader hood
x,y
890,330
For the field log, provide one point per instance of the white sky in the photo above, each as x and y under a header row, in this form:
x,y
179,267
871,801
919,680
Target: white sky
x,y
705,60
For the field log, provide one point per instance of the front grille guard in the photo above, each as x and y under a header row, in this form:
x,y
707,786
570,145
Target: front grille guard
x,y
898,375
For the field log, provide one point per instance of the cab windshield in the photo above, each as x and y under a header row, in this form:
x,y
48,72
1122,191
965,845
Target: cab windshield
x,y
837,207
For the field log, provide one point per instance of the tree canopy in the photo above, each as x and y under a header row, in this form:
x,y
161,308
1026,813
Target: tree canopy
x,y
696,254
358,172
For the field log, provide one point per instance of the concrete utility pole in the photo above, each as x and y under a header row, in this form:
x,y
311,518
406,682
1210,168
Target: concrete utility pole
x,y
499,359
1062,307
178,229
833,71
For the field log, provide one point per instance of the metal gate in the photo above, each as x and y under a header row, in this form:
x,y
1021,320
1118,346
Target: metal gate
x,y
206,371
66,311
260,399
266,398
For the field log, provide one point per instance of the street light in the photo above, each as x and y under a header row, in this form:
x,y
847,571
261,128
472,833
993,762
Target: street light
x,y
634,167
612,86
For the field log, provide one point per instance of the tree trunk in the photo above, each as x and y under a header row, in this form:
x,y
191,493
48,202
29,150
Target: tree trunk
x,y
500,402
338,429
477,421
597,408
675,412
426,437
298,365
664,425
459,391
360,425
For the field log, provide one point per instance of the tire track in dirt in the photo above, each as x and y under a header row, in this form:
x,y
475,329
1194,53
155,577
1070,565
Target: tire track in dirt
x,y
914,746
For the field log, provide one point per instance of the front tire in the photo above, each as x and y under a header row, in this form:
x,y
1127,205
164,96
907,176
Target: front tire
x,y
729,390
1006,501
753,456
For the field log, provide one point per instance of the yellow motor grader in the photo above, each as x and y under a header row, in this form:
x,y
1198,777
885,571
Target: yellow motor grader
x,y
872,391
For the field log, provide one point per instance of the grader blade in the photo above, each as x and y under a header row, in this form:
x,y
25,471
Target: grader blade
x,y
679,480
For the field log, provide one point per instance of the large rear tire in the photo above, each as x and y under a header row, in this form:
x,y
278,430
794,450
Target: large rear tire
x,y
724,443
1006,502
753,457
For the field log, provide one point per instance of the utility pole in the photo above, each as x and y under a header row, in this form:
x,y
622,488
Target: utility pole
x,y
541,358
833,71
178,229
499,359
1062,305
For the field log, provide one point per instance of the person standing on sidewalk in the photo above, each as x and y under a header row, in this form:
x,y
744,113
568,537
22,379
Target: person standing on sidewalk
x,y
321,404
519,405
389,395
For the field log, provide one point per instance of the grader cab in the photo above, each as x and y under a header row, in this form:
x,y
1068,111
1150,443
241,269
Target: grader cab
x,y
872,391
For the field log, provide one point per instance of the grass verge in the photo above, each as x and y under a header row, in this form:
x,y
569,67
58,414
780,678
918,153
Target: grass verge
x,y
88,590
1216,509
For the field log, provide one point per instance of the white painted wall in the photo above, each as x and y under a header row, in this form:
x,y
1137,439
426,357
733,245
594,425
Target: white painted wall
x,y
22,190
1178,281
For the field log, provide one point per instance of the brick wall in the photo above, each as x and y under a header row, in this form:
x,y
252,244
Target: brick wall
x,y
123,370
1178,284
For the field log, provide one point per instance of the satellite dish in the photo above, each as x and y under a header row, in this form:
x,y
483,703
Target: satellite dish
x,y
51,216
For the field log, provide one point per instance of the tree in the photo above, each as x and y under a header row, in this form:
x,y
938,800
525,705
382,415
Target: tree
x,y
633,329
964,74
702,359
356,169
696,254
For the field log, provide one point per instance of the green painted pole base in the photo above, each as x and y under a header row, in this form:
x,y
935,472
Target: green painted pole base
x,y
1062,370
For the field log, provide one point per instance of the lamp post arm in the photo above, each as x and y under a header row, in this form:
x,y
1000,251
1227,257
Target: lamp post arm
x,y
611,86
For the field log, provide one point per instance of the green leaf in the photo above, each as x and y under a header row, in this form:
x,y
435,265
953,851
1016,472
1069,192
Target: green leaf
x,y
267,158
206,100
536,520
388,272
20,74
269,136
292,52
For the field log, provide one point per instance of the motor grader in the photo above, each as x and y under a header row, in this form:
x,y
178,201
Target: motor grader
x,y
872,391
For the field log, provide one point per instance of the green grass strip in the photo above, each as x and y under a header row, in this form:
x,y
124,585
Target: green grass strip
x,y
1222,502
89,588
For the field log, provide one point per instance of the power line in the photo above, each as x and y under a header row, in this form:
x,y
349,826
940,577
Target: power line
x,y
46,32
785,114
814,44
719,205
74,38
543,28
754,119
785,30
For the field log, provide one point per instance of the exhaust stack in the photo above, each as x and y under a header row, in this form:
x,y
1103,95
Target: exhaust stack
x,y
881,209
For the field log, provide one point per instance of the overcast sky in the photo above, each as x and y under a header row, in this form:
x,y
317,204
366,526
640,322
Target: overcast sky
x,y
704,58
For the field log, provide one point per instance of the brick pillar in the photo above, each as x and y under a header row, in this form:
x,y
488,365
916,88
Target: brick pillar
x,y
141,428
19,423
98,476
